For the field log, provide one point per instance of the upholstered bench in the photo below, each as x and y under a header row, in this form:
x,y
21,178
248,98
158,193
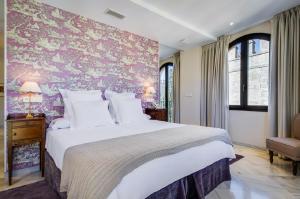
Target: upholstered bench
x,y
288,147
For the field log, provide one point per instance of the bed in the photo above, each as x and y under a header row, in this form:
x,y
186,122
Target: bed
x,y
189,173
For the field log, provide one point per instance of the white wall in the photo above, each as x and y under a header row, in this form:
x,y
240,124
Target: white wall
x,y
260,28
249,127
169,59
190,61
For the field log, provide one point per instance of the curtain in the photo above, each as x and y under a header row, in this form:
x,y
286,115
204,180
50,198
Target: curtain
x,y
284,72
176,87
213,88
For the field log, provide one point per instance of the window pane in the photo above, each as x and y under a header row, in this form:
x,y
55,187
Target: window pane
x,y
170,93
234,64
258,72
162,87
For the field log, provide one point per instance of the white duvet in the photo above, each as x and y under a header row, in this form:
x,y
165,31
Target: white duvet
x,y
151,176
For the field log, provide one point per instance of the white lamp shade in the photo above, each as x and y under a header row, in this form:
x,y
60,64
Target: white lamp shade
x,y
150,91
30,87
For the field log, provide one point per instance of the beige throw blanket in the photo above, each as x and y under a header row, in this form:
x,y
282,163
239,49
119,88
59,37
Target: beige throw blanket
x,y
93,170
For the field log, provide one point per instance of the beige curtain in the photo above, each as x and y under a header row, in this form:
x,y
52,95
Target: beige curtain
x,y
284,72
176,87
213,88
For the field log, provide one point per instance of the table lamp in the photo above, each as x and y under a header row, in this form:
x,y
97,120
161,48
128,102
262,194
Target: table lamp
x,y
30,88
149,93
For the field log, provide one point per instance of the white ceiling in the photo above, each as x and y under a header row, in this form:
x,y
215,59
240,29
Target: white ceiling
x,y
178,24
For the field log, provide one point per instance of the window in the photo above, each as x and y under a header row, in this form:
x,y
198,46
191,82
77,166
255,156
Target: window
x,y
166,89
248,72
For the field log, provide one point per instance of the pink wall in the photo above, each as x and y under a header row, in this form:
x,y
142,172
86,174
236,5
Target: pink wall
x,y
59,49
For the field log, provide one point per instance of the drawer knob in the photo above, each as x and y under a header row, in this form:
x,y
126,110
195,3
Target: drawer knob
x,y
15,134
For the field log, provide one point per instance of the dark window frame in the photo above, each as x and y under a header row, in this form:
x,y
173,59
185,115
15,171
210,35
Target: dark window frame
x,y
166,66
244,71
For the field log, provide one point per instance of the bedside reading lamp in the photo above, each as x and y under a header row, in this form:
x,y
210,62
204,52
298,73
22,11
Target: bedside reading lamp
x,y
149,94
30,88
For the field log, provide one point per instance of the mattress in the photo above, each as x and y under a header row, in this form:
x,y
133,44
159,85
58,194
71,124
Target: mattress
x,y
151,176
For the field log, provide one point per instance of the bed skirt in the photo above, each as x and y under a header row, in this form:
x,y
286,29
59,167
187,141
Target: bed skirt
x,y
194,186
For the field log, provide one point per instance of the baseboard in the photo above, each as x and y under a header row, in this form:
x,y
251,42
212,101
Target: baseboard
x,y
249,145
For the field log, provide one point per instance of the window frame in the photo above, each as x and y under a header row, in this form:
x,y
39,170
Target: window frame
x,y
166,66
244,71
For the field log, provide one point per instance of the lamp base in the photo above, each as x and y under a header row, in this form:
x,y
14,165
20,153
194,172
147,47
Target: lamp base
x,y
29,116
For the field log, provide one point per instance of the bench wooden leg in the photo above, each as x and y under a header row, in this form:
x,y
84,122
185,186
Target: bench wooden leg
x,y
295,167
271,154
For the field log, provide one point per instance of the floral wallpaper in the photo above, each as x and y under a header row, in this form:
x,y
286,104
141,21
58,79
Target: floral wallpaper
x,y
59,49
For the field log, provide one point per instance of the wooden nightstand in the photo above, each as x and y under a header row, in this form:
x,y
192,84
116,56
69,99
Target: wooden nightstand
x,y
22,131
157,113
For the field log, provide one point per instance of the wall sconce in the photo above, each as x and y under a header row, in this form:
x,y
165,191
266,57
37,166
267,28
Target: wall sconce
x,y
30,88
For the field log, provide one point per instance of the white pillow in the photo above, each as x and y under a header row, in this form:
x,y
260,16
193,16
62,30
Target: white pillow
x,y
147,117
109,94
67,104
91,114
81,95
90,95
129,110
59,123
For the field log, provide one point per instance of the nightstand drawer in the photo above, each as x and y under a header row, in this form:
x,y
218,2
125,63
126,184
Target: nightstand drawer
x,y
26,123
26,133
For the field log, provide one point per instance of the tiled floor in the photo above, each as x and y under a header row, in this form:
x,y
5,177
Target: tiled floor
x,y
253,177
